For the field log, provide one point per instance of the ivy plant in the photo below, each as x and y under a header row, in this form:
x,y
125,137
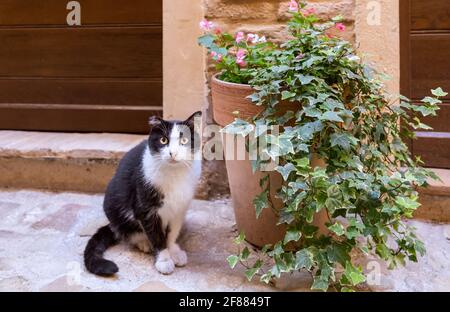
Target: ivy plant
x,y
344,116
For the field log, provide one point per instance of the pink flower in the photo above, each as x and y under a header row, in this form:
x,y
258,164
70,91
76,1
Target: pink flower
x,y
240,57
206,25
254,38
340,26
240,36
309,11
216,56
300,56
293,6
218,31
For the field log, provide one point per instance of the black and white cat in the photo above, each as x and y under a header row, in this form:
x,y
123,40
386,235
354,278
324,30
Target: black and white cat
x,y
147,199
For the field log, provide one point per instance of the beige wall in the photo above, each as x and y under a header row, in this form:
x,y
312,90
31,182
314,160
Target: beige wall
x,y
377,35
184,62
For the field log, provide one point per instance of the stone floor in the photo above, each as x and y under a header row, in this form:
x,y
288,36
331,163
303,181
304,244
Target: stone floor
x,y
43,235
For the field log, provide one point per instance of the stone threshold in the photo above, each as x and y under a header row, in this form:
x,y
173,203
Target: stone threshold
x,y
79,162
435,199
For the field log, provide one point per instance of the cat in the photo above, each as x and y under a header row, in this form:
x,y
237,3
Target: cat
x,y
147,199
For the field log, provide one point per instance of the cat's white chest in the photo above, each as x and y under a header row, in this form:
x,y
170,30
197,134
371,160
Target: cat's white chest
x,y
177,184
178,193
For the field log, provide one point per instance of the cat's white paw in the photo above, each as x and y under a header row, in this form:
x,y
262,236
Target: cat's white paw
x,y
179,257
164,263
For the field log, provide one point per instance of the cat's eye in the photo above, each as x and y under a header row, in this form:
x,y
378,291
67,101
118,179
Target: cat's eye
x,y
163,141
184,141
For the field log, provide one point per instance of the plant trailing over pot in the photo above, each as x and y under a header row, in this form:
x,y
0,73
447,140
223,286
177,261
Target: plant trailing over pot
x,y
369,185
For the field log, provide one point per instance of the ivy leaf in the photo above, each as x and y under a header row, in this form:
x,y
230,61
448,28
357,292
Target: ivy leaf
x,y
207,40
337,228
320,284
304,80
407,203
354,275
240,239
332,204
303,162
312,112
285,95
331,116
439,92
233,261
338,253
292,235
238,127
250,273
245,254
344,140
286,170
303,260
261,202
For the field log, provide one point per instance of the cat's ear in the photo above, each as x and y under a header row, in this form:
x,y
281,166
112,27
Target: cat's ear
x,y
154,121
190,122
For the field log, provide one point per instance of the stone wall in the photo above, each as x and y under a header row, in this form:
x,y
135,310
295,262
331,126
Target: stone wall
x,y
268,17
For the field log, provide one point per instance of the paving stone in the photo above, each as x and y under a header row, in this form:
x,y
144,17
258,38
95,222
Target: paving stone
x,y
37,256
154,287
62,220
62,284
13,284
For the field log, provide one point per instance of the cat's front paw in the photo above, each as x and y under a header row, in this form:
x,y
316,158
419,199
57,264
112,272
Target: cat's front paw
x,y
179,256
164,263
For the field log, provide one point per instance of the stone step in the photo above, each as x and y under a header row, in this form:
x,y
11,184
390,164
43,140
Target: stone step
x,y
77,162
435,199
86,162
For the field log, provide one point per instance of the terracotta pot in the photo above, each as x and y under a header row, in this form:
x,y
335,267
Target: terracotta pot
x,y
244,184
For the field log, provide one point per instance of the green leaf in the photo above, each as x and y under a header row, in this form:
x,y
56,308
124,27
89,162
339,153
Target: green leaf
x,y
286,170
343,140
313,112
302,162
303,260
292,235
285,95
207,40
338,253
353,274
332,204
304,80
240,239
320,284
250,273
439,92
233,261
238,127
245,254
331,116
337,228
261,202
407,203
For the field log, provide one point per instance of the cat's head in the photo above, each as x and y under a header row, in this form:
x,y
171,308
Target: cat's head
x,y
174,141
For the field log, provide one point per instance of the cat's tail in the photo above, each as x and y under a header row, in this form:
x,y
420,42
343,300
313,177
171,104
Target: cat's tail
x,y
93,254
